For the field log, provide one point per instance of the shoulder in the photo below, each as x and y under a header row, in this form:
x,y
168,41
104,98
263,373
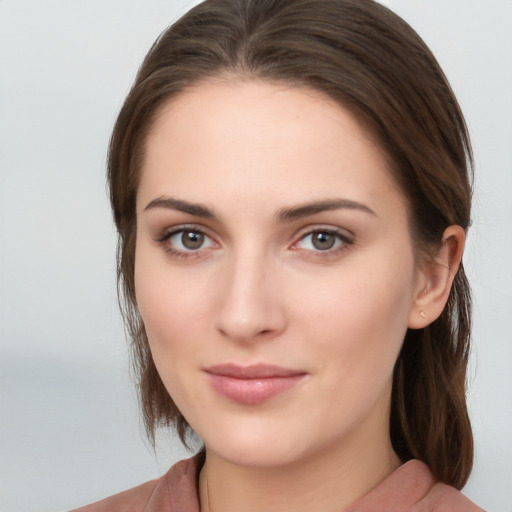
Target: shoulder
x,y
412,488
133,499
176,490
443,498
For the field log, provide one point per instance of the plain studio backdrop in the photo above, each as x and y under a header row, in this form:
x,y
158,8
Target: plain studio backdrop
x,y
70,428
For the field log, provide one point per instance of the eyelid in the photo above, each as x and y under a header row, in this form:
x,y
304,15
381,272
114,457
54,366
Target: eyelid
x,y
343,233
347,238
168,233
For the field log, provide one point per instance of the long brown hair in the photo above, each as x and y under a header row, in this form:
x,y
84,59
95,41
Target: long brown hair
x,y
369,60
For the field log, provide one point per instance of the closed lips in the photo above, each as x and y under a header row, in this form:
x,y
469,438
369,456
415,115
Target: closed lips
x,y
252,385
258,371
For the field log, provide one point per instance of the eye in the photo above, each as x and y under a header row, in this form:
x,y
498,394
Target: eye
x,y
183,241
188,240
323,240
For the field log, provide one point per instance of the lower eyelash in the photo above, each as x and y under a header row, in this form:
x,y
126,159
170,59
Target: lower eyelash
x,y
179,254
331,252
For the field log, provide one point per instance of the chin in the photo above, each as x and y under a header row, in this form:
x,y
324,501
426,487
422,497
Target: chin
x,y
252,445
263,446
269,456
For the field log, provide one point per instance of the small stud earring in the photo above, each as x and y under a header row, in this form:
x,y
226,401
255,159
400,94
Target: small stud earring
x,y
423,314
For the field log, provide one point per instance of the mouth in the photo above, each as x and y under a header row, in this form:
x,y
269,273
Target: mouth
x,y
252,385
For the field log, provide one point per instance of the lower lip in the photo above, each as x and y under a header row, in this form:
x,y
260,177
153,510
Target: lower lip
x,y
252,391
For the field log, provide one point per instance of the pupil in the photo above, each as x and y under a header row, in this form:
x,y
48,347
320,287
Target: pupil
x,y
192,240
323,241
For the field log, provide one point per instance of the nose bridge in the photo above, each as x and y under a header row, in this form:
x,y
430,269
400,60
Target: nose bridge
x,y
250,304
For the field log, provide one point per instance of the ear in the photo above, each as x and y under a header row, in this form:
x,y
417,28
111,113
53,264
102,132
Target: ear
x,y
435,279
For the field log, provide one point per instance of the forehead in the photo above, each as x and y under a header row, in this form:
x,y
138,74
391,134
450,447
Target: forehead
x,y
223,140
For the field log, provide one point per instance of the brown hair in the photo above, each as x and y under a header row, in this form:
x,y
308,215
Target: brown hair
x,y
368,59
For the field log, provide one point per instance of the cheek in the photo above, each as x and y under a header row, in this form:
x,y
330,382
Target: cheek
x,y
173,309
172,302
358,316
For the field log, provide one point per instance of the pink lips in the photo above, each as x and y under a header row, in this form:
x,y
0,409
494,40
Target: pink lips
x,y
252,385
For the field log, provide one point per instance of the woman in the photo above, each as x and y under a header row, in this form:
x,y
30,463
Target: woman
x,y
291,186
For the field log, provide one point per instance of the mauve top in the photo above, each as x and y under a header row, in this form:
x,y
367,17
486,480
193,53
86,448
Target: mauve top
x,y
411,488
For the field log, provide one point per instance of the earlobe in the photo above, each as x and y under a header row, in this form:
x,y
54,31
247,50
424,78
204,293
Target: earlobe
x,y
437,279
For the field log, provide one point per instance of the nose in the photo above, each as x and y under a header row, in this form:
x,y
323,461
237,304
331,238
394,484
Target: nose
x,y
250,305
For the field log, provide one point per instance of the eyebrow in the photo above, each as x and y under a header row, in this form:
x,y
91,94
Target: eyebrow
x,y
307,209
284,215
171,203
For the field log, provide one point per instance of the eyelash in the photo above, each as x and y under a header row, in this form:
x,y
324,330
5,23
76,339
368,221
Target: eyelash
x,y
166,236
344,242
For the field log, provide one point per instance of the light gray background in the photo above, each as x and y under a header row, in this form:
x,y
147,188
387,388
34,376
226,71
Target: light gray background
x,y
70,429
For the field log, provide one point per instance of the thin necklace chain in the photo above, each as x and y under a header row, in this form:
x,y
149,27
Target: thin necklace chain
x,y
208,500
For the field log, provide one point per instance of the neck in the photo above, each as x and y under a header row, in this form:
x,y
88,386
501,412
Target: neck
x,y
329,480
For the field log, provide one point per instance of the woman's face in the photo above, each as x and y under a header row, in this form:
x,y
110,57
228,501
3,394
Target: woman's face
x,y
274,271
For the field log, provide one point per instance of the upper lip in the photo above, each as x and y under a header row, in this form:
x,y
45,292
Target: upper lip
x,y
254,371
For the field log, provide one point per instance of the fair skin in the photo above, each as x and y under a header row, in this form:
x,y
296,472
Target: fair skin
x,y
232,270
